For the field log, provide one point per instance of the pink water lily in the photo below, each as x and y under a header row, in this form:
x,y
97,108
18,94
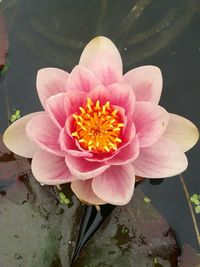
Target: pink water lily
x,y
100,128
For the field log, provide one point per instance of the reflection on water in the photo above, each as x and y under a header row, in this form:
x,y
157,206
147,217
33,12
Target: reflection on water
x,y
144,26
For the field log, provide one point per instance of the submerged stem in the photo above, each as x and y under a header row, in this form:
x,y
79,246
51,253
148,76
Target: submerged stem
x,y
191,208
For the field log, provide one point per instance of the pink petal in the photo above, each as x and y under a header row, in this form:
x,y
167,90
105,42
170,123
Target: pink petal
x,y
74,99
50,169
182,132
44,132
68,144
83,190
146,82
16,139
83,169
100,93
82,79
126,155
120,95
95,47
115,185
123,96
55,107
163,159
106,68
150,121
50,81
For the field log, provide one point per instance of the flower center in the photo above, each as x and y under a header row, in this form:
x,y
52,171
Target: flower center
x,y
98,127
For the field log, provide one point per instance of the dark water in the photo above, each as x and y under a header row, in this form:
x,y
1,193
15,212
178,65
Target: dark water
x,y
163,33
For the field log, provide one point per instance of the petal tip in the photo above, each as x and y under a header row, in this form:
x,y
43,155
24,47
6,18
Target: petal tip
x,y
182,131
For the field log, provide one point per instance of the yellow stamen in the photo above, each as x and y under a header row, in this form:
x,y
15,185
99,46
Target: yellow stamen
x,y
106,148
116,129
98,127
114,112
97,106
120,125
75,134
107,105
82,110
104,110
89,101
81,140
118,140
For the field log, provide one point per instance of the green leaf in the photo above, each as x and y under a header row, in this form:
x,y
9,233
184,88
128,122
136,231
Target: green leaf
x,y
134,235
197,209
63,199
147,200
36,230
15,116
194,197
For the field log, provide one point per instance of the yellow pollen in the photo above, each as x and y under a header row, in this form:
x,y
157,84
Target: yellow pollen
x,y
98,127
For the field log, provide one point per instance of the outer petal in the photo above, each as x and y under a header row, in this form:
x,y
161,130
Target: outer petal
x,y
16,139
50,169
95,47
83,190
182,132
50,81
82,79
147,82
163,159
150,121
83,169
43,131
115,185
56,109
106,68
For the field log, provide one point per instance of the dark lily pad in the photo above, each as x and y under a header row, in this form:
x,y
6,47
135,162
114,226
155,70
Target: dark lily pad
x,y
134,235
40,231
3,41
189,257
11,165
12,169
36,229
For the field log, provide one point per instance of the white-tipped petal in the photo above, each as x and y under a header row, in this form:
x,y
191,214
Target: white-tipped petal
x,y
16,139
182,132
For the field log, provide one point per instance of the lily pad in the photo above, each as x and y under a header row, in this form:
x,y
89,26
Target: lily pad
x,y
189,257
36,229
12,169
39,232
3,41
134,235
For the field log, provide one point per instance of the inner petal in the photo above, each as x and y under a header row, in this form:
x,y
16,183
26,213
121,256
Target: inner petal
x,y
98,127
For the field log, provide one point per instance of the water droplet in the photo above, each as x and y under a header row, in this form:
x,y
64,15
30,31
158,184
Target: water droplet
x,y
44,226
18,256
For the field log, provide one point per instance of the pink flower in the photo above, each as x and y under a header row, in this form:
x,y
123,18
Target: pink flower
x,y
100,128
